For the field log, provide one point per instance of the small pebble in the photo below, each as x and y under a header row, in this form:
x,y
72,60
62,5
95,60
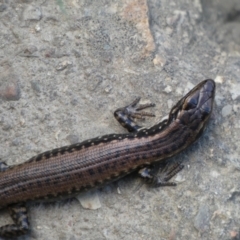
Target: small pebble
x,y
226,110
167,89
89,200
32,13
201,221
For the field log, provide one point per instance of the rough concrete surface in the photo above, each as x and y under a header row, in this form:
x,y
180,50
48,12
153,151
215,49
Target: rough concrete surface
x,y
67,65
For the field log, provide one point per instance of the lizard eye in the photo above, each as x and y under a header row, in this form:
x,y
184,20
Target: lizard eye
x,y
191,101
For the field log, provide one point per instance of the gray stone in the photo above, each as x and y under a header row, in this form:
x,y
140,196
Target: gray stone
x,y
201,222
226,110
89,200
3,7
32,13
70,64
235,91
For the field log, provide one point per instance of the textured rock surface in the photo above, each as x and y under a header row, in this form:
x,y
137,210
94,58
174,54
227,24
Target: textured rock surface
x,y
67,65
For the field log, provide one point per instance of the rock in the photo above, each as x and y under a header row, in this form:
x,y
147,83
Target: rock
x,y
201,222
32,13
226,110
89,200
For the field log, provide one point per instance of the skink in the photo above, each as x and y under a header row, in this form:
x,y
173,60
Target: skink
x,y
68,170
